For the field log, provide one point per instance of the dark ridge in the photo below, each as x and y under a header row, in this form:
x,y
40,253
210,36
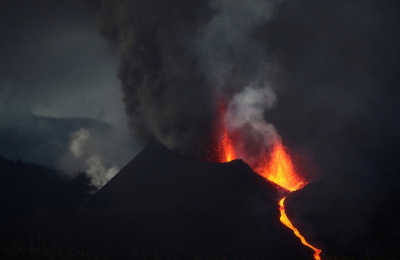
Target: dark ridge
x,y
179,204
25,187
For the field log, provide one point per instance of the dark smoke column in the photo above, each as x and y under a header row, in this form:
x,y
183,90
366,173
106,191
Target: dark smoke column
x,y
178,57
165,95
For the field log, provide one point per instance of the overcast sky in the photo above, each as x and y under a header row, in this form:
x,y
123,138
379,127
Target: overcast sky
x,y
54,63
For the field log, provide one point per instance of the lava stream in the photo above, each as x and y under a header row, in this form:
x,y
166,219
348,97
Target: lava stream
x,y
280,169
285,220
277,168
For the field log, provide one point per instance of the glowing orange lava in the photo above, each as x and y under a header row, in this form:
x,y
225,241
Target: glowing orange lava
x,y
285,220
278,168
226,150
229,153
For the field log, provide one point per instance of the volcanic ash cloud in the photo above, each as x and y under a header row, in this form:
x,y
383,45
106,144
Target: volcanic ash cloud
x,y
177,56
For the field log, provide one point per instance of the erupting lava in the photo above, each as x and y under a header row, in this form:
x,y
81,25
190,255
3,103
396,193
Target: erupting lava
x,y
278,168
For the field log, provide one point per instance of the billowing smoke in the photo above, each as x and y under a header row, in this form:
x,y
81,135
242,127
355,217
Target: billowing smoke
x,y
96,170
248,107
228,53
96,165
177,57
78,141
246,116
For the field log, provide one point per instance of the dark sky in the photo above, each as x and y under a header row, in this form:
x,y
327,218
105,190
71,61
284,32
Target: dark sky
x,y
55,65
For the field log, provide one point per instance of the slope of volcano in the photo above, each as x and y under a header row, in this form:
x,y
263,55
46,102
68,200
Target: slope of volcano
x,y
192,207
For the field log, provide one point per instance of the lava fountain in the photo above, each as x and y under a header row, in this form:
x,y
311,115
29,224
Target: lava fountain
x,y
277,168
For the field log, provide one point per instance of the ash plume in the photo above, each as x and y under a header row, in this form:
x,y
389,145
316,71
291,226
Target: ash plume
x,y
177,56
228,53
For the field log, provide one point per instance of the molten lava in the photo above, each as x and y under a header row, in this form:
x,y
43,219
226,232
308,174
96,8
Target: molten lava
x,y
285,220
277,168
225,147
280,170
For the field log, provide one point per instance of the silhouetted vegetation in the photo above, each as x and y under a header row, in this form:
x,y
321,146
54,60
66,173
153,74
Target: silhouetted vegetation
x,y
25,187
61,233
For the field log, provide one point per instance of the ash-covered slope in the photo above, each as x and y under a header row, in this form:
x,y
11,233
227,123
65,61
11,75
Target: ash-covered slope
x,y
193,207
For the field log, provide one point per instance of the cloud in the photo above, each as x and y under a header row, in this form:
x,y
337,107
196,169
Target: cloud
x,y
78,141
98,173
100,157
57,75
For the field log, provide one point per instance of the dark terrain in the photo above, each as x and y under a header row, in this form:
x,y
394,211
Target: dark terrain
x,y
163,205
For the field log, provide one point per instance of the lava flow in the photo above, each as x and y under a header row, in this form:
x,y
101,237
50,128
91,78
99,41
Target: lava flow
x,y
278,168
285,220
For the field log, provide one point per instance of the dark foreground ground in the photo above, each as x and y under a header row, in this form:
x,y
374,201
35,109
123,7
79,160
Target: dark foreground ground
x,y
57,233
154,210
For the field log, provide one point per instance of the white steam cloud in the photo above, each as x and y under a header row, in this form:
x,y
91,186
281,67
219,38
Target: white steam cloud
x,y
95,164
79,138
246,115
236,62
247,109
99,174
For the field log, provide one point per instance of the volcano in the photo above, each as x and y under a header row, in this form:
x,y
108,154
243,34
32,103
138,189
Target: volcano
x,y
197,208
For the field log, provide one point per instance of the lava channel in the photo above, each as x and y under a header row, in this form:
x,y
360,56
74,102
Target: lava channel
x,y
278,168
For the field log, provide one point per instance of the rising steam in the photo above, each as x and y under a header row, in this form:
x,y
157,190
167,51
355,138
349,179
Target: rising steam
x,y
78,140
80,148
246,117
